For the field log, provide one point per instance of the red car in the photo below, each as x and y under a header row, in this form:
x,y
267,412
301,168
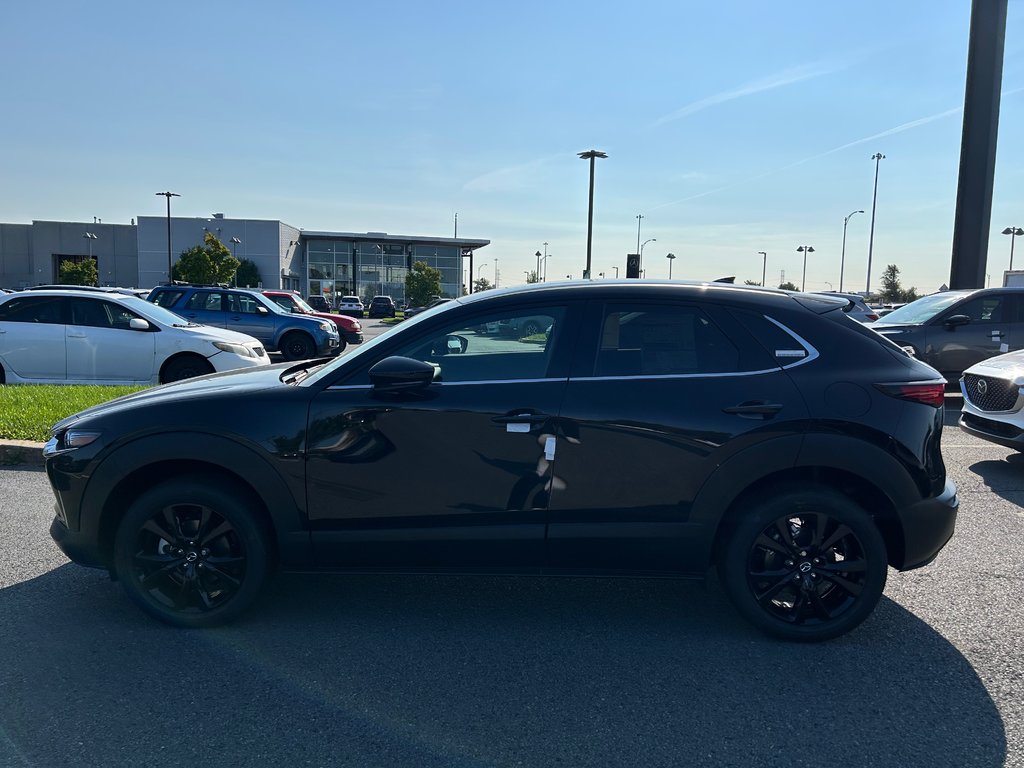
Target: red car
x,y
349,329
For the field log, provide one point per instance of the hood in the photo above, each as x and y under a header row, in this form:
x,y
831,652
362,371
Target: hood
x,y
1009,367
880,325
235,382
213,333
342,321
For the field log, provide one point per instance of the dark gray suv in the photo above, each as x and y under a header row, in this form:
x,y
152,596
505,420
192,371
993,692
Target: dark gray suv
x,y
953,330
296,337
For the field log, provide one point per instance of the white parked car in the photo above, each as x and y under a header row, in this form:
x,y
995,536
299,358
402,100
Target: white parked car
x,y
994,400
351,305
87,337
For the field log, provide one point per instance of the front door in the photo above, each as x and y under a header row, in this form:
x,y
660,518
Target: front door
x,y
992,330
101,345
453,476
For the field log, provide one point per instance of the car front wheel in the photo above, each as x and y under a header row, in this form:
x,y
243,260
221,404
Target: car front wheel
x,y
191,553
297,346
805,565
185,367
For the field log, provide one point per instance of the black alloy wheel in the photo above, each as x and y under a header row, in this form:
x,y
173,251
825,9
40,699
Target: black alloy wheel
x,y
189,553
296,345
185,367
806,565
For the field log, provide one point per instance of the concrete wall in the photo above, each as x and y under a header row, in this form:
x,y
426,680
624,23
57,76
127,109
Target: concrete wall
x,y
15,255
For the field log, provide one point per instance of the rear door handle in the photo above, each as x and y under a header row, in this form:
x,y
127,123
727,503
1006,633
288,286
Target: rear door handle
x,y
754,409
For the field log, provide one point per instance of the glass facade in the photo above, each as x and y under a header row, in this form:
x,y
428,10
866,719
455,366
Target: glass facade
x,y
337,268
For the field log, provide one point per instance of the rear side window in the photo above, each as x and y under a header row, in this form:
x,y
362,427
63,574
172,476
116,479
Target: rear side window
x,y
210,302
32,309
784,347
168,299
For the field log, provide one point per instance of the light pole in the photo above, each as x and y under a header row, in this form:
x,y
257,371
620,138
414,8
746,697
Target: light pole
x,y
877,157
764,267
639,218
479,269
601,275
168,195
804,249
545,264
381,273
90,237
234,242
1012,232
641,250
616,272
537,273
591,155
842,259
671,257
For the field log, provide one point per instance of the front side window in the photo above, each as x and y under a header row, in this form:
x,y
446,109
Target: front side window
x,y
243,303
100,314
662,340
986,309
497,347
205,301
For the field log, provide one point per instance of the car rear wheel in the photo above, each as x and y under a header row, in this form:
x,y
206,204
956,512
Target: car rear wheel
x,y
190,553
185,367
805,565
297,346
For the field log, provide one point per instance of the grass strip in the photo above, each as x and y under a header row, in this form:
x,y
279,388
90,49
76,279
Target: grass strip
x,y
27,411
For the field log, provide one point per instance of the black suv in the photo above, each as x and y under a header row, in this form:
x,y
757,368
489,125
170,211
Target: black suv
x,y
381,306
296,337
654,428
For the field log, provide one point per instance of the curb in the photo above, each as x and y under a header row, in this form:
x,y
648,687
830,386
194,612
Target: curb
x,y
21,452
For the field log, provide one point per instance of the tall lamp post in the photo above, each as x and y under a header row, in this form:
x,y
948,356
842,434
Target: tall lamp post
x,y
537,273
640,250
590,155
842,259
168,195
804,249
479,269
234,242
877,157
764,267
671,257
90,237
616,272
1012,232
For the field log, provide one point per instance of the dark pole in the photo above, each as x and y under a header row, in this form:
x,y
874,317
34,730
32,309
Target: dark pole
x,y
591,155
764,268
877,157
978,144
168,195
842,260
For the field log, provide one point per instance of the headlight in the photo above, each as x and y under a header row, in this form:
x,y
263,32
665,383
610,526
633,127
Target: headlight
x,y
69,441
328,327
235,349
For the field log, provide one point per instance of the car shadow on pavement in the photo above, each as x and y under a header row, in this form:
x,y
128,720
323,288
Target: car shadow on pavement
x,y
459,671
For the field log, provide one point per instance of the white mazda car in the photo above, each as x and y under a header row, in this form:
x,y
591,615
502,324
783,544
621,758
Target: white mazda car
x,y
90,337
994,400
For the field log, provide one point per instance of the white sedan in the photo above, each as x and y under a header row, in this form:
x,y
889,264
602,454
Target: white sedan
x,y
83,337
994,400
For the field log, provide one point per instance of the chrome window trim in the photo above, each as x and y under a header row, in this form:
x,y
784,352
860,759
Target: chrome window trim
x,y
460,383
812,353
651,376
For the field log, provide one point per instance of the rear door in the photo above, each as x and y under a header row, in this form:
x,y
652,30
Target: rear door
x,y
32,337
661,394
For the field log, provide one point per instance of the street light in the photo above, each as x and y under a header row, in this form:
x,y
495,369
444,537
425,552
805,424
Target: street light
x,y
591,156
842,259
671,257
804,249
764,267
234,242
1012,232
877,157
537,273
168,195
381,274
601,275
479,269
90,237
616,272
640,250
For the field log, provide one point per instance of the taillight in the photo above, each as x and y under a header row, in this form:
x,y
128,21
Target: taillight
x,y
872,317
927,392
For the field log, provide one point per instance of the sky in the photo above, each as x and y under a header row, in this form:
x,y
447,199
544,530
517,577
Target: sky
x,y
731,127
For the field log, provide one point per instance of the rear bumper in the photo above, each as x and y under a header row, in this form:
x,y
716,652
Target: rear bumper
x,y
927,526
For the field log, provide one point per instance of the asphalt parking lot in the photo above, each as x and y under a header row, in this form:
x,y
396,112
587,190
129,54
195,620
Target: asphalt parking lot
x,y
452,671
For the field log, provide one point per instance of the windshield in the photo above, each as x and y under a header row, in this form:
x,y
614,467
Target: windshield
x,y
924,309
302,304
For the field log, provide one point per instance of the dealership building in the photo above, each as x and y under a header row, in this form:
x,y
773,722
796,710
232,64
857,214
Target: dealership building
x,y
139,254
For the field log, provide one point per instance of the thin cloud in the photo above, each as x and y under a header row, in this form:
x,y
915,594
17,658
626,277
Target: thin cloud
x,y
777,80
510,177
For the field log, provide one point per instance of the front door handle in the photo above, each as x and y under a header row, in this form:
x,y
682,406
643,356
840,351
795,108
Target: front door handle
x,y
754,409
521,418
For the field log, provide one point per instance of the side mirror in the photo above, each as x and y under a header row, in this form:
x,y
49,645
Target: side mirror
x,y
954,320
138,324
401,374
261,310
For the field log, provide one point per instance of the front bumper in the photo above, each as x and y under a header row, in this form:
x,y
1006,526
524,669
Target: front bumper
x,y
352,337
999,432
927,526
78,547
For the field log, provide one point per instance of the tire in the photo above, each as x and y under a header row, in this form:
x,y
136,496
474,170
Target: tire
x,y
185,367
805,565
530,328
3,375
190,553
297,345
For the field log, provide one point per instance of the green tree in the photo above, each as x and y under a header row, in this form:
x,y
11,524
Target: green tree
x,y
892,292
79,272
532,277
483,284
751,282
248,274
788,286
421,284
208,264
